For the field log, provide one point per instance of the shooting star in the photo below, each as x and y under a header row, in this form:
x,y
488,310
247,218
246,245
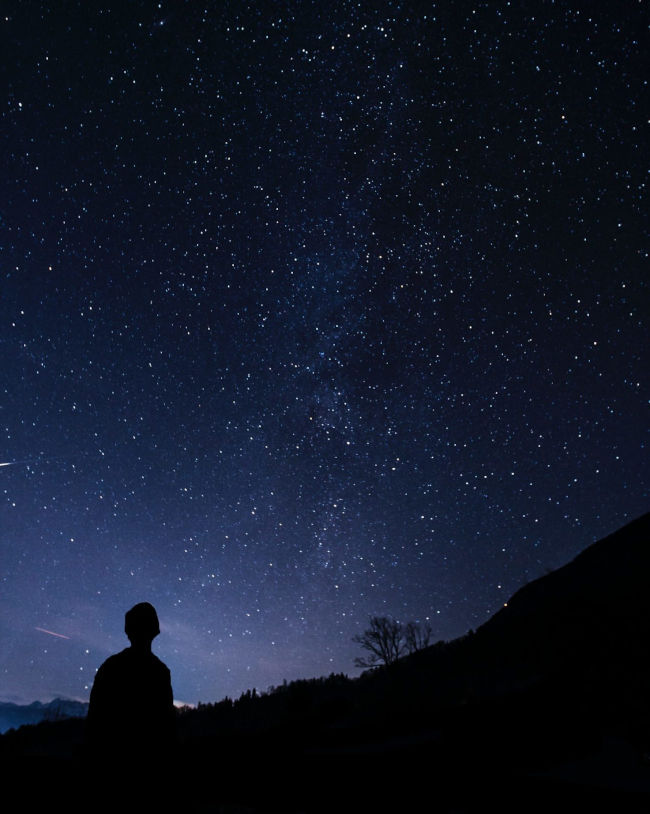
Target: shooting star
x,y
52,633
41,459
30,461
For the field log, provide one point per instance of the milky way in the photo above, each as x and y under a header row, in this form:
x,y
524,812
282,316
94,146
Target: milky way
x,y
310,311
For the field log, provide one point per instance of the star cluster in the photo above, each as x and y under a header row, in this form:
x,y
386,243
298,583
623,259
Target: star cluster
x,y
311,311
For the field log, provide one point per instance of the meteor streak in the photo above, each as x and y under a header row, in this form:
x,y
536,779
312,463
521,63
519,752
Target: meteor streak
x,y
52,633
28,462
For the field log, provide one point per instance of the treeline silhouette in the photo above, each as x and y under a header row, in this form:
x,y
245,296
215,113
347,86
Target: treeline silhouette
x,y
524,711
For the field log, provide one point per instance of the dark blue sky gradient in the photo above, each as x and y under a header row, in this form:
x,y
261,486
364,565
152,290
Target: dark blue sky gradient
x,y
310,311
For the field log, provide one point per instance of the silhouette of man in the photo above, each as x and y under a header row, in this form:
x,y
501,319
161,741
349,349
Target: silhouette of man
x,y
131,720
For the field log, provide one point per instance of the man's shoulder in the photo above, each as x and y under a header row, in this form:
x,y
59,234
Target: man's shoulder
x,y
127,660
159,665
110,669
116,658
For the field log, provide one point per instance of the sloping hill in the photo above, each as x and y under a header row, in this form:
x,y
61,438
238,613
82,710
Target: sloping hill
x,y
586,625
610,577
589,618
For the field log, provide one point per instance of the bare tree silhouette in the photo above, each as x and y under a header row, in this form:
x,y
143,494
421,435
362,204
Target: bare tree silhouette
x,y
383,640
386,640
417,636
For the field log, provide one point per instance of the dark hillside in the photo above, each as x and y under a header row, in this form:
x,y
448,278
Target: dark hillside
x,y
549,681
607,579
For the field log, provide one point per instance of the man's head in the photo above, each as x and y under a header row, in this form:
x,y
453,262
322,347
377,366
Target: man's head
x,y
141,623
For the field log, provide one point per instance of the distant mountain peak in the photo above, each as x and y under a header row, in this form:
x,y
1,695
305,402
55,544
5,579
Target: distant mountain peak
x,y
13,715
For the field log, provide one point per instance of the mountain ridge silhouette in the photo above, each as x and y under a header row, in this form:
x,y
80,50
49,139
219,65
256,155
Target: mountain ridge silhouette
x,y
14,715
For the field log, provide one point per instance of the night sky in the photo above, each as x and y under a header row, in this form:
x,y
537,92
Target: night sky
x,y
310,311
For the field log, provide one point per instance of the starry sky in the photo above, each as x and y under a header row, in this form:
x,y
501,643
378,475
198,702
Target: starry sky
x,y
310,311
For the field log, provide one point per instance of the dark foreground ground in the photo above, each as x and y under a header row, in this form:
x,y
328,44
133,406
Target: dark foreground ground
x,y
469,769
